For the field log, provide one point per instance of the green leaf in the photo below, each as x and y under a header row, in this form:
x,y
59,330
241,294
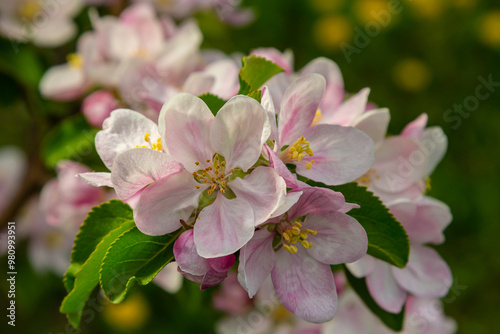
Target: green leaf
x,y
255,72
213,102
387,239
101,228
256,94
72,139
391,320
134,257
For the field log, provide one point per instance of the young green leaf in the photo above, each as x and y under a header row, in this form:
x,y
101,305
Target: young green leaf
x,y
255,72
101,227
134,257
387,239
391,320
213,102
72,139
256,95
87,277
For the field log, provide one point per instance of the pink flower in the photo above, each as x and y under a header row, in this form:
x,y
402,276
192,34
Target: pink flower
x,y
426,274
231,297
98,106
199,155
331,154
13,166
206,272
43,22
169,278
298,254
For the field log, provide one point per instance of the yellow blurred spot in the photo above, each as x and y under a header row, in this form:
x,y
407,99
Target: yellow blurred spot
x,y
75,60
330,31
412,75
367,10
489,29
29,9
430,9
54,239
130,315
326,5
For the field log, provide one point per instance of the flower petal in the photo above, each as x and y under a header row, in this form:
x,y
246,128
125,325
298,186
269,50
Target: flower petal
x,y
349,110
424,221
256,261
223,227
305,286
97,179
184,125
280,167
340,238
299,106
239,130
434,143
341,154
186,256
374,123
384,288
123,130
165,202
63,82
362,267
426,274
416,128
263,189
316,200
135,169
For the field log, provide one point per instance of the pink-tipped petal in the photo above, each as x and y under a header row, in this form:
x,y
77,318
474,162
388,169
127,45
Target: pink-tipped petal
x,y
164,203
256,261
350,110
123,130
239,131
186,256
223,227
416,128
305,286
298,107
315,200
426,274
135,169
340,238
341,154
184,125
280,168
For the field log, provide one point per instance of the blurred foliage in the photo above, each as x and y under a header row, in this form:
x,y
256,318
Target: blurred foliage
x,y
426,58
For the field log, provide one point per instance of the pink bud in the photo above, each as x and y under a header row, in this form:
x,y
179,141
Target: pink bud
x,y
98,106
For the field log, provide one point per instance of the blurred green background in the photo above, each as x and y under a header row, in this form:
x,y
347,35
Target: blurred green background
x,y
426,58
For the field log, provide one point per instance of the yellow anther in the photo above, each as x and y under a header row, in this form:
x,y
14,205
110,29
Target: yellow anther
x,y
75,60
146,136
194,173
296,230
305,244
313,232
223,164
308,165
222,190
207,160
197,187
293,249
428,184
303,235
287,248
232,170
298,224
197,163
286,236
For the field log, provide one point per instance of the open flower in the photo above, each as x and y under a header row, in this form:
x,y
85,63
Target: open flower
x,y
331,154
209,156
426,274
298,253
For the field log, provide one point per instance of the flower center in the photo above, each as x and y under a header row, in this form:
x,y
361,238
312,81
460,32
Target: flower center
x,y
366,179
214,174
297,151
75,60
29,9
154,146
294,234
